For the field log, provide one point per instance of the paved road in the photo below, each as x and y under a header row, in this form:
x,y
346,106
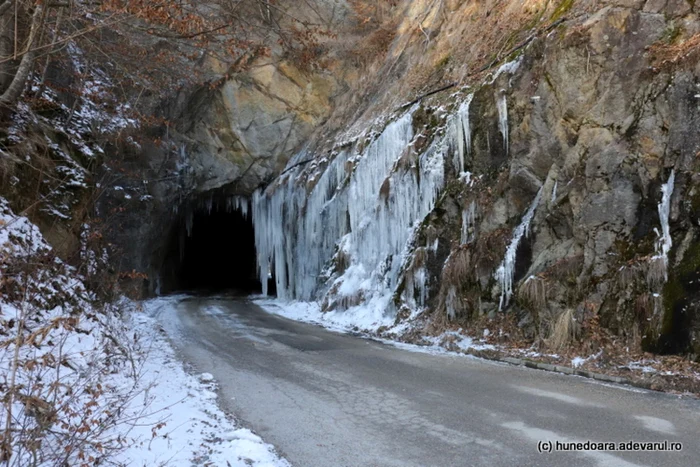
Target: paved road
x,y
327,399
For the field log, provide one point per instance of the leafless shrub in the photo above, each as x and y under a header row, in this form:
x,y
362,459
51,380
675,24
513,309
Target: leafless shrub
x,y
374,46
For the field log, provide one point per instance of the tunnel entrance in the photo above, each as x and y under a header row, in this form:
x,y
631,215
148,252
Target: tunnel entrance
x,y
212,249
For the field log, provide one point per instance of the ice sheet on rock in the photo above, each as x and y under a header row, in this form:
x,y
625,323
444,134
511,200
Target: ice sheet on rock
x,y
468,222
502,107
342,230
505,272
508,67
665,242
373,210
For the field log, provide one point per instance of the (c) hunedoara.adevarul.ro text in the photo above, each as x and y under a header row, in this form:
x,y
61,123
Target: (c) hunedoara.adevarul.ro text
x,y
622,446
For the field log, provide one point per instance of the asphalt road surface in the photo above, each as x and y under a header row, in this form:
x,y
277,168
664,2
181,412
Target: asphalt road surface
x,y
327,399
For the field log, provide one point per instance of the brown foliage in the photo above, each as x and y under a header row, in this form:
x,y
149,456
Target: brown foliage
x,y
373,46
667,54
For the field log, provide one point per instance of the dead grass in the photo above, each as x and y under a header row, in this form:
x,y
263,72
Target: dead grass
x,y
342,261
491,247
385,190
459,267
628,275
564,331
533,292
668,54
644,307
420,257
457,274
655,273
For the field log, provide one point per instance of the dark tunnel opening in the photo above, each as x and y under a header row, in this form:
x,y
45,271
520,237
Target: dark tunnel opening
x,y
211,249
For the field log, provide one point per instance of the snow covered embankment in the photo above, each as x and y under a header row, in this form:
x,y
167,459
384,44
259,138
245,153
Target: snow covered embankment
x,y
84,383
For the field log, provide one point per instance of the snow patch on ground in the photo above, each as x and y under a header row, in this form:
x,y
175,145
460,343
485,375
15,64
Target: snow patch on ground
x,y
460,340
366,317
196,430
643,366
577,362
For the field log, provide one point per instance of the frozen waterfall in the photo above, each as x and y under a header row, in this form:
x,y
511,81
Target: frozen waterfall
x,y
348,228
372,211
461,134
506,271
468,219
664,243
502,107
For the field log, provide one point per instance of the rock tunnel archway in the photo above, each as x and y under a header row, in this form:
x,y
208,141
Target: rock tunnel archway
x,y
211,248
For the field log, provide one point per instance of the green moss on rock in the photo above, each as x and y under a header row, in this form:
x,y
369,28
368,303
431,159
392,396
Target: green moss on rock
x,y
680,295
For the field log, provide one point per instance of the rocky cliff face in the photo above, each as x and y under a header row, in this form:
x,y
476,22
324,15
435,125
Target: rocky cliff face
x,y
569,198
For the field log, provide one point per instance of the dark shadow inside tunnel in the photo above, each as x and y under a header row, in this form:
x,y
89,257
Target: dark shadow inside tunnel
x,y
211,249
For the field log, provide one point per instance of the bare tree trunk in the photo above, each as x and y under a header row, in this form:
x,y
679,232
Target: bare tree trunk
x,y
54,39
7,31
5,6
14,91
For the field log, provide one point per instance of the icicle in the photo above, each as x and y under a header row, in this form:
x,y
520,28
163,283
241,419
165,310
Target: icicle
x,y
182,247
240,204
420,279
450,302
664,243
416,280
502,107
554,192
189,221
468,218
434,246
244,208
504,273
461,134
377,228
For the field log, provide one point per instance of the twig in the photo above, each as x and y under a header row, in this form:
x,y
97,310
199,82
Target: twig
x,y
294,166
427,94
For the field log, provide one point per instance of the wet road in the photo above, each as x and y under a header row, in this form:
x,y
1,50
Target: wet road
x,y
328,399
